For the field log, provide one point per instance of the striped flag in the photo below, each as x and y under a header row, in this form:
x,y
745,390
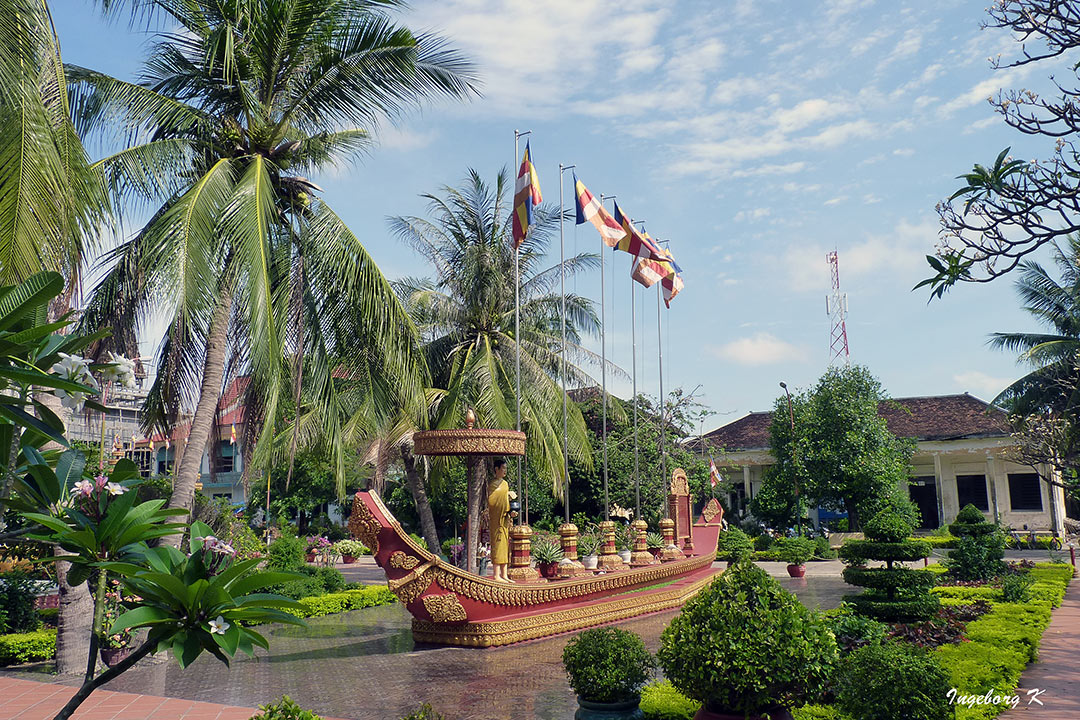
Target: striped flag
x,y
232,435
714,474
634,242
647,272
672,281
526,197
589,209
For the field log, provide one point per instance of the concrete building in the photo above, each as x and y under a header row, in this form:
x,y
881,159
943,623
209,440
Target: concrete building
x,y
961,457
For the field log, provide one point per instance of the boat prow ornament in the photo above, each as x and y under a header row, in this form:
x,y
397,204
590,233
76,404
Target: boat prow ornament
x,y
453,607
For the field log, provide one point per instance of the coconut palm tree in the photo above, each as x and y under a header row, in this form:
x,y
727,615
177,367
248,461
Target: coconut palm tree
x,y
1054,383
257,273
465,315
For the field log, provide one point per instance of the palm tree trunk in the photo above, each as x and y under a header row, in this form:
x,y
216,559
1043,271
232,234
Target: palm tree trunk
x,y
187,472
420,499
74,621
476,481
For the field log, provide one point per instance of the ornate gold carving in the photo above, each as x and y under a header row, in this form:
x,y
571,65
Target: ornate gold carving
x,y
506,632
363,525
445,608
413,585
711,510
400,560
679,484
477,441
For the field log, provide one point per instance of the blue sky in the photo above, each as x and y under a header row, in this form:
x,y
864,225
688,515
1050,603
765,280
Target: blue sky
x,y
755,136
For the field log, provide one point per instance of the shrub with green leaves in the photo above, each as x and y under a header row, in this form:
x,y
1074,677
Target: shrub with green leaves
x,y
894,592
330,578
853,631
607,664
286,554
744,645
822,550
1016,587
27,647
17,603
351,548
977,554
734,544
795,551
661,701
284,709
890,680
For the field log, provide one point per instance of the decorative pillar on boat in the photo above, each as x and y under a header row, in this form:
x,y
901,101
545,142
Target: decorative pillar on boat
x,y
609,557
671,550
569,566
521,569
641,555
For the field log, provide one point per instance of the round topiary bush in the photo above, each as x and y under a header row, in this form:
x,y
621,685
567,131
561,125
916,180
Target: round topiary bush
x,y
744,645
980,549
894,592
607,665
890,680
734,544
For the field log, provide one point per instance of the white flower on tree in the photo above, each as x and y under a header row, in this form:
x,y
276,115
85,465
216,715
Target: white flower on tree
x,y
218,626
77,370
120,370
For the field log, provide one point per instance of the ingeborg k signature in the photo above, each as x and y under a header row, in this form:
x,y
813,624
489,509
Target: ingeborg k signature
x,y
992,698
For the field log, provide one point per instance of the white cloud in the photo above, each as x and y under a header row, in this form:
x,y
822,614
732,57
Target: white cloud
x,y
808,112
988,88
980,384
753,214
759,349
392,138
835,200
903,152
982,124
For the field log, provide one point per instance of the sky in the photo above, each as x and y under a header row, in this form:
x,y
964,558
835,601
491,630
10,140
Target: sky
x,y
754,136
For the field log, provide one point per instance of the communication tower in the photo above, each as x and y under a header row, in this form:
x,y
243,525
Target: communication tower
x,y
836,307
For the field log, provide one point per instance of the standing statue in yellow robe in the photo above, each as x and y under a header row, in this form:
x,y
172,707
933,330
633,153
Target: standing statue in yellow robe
x,y
499,517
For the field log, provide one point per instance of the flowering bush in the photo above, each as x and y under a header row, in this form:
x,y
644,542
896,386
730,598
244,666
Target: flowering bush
x,y
117,637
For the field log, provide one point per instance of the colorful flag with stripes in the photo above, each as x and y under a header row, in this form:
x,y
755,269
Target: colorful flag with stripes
x,y
714,474
589,209
672,281
647,272
634,242
232,435
526,197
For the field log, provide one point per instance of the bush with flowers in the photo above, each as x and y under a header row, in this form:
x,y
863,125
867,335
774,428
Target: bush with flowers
x,y
117,637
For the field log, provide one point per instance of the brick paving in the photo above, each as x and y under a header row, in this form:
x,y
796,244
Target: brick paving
x,y
1056,671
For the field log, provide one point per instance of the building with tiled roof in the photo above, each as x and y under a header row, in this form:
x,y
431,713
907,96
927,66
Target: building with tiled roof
x,y
961,457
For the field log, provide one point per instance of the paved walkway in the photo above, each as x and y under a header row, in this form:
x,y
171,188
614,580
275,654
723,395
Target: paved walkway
x,y
30,700
1056,671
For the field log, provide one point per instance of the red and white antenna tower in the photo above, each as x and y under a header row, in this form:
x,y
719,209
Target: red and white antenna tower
x,y
836,308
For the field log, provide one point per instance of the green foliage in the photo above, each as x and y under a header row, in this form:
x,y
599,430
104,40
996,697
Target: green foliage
x,y
1016,588
970,521
894,593
977,557
17,603
858,551
284,709
842,455
367,596
27,647
902,608
424,712
884,681
744,644
822,551
897,578
546,550
419,540
286,554
734,544
818,712
661,701
887,528
763,541
795,551
331,579
853,630
607,664
313,484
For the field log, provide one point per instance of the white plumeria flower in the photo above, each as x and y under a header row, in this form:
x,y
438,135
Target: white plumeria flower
x,y
116,488
71,400
75,369
120,370
218,626
83,488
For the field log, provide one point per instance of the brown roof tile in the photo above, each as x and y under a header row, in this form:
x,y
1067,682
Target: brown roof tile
x,y
941,417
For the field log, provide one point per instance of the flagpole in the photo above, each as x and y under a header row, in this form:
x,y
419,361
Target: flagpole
x,y
517,335
562,357
660,359
603,367
633,351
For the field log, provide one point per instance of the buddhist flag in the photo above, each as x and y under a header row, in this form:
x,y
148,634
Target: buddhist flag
x,y
232,435
589,209
634,242
167,443
526,197
647,272
714,474
672,280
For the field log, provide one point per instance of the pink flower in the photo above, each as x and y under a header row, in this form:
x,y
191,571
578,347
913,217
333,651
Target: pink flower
x,y
83,488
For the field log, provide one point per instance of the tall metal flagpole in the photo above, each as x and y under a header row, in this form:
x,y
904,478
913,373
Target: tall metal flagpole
x,y
603,366
562,358
663,414
517,330
633,356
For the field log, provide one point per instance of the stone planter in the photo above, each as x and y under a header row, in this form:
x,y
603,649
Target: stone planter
x,y
590,561
625,710
625,555
796,570
348,559
774,713
112,656
548,569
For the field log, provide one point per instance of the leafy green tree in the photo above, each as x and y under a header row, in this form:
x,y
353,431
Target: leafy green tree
x,y
313,485
466,316
1012,207
237,103
841,454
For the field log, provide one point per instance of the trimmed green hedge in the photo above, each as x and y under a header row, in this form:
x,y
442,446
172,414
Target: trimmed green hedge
x,y
369,596
27,647
907,551
896,578
661,701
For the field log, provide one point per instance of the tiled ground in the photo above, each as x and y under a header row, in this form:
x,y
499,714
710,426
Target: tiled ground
x,y
364,666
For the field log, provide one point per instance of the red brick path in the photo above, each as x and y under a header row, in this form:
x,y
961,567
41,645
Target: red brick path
x,y
31,700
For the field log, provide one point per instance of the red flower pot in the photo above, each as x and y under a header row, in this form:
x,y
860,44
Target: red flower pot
x,y
348,559
548,570
112,656
311,557
796,570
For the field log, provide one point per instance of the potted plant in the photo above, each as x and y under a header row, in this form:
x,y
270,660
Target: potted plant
x,y
607,667
547,554
795,552
317,546
744,647
654,543
588,546
116,644
349,550
734,545
624,539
